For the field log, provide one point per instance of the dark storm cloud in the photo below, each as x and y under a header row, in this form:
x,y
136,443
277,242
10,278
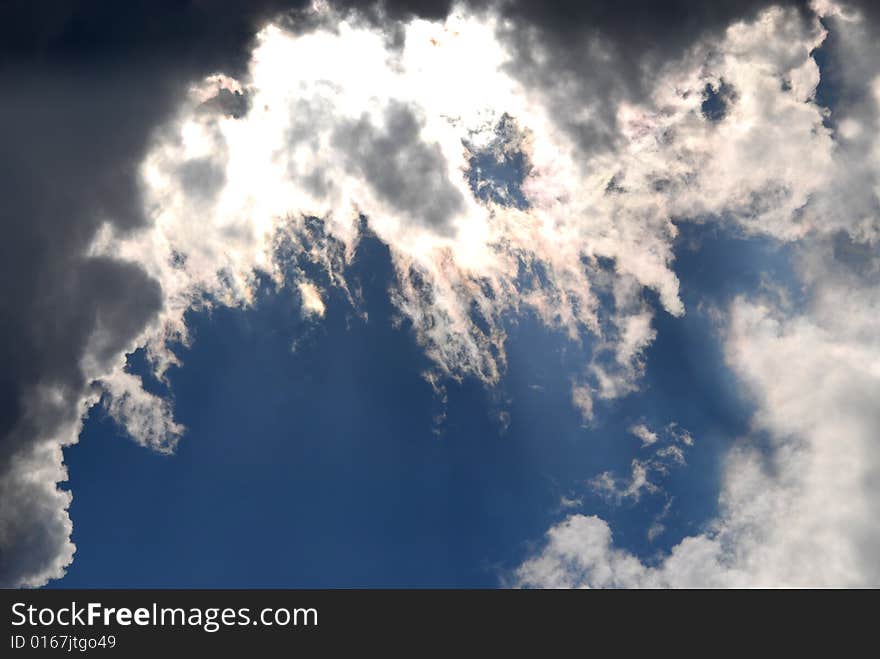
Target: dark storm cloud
x,y
84,85
405,172
96,308
587,57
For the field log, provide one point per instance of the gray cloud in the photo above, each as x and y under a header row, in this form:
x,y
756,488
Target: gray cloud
x,y
67,168
232,103
96,310
202,177
404,171
588,57
84,86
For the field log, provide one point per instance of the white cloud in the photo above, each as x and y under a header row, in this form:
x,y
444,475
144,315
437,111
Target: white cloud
x,y
803,511
582,399
618,490
606,485
303,147
34,509
312,303
645,434
804,515
147,417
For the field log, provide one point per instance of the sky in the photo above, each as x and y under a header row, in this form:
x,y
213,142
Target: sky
x,y
481,294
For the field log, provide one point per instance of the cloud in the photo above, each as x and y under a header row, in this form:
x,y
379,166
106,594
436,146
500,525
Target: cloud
x,y
616,490
403,171
147,417
589,58
582,399
645,434
801,511
86,86
312,303
580,553
801,515
605,485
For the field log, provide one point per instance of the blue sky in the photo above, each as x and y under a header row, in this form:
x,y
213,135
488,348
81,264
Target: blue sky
x,y
320,467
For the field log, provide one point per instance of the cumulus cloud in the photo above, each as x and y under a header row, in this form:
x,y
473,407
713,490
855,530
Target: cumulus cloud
x,y
801,512
802,515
